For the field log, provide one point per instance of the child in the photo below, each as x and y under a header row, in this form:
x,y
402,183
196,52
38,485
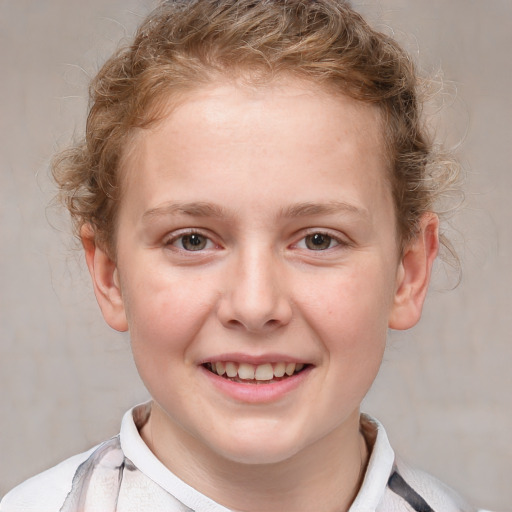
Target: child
x,y
255,196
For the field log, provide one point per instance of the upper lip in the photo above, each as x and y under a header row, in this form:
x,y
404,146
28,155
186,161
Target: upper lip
x,y
254,360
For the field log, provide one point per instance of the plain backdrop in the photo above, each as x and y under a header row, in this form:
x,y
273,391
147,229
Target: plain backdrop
x,y
65,378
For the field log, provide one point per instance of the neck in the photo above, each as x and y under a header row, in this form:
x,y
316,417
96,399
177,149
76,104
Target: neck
x,y
324,476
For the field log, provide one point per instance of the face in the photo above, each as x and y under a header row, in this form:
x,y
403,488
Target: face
x,y
257,267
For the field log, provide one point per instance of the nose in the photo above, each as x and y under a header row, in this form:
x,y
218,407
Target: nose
x,y
254,297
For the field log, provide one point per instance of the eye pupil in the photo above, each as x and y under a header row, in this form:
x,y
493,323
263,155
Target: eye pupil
x,y
193,242
318,241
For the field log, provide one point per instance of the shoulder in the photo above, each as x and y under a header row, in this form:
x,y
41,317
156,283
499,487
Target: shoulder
x,y
391,485
47,491
418,487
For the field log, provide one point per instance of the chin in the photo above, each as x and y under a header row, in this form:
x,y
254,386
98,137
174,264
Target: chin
x,y
258,455
259,447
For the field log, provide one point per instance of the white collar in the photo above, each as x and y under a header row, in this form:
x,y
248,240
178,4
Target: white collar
x,y
368,498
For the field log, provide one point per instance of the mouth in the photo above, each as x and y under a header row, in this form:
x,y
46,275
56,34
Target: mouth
x,y
246,373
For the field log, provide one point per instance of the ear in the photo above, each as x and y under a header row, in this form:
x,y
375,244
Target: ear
x,y
105,280
413,276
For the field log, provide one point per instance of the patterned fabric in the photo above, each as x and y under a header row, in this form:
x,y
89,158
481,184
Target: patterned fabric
x,y
400,487
122,475
109,481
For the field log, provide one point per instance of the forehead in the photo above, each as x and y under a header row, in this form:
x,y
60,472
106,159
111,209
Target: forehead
x,y
287,95
288,137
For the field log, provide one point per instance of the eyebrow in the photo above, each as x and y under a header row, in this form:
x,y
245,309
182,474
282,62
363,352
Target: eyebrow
x,y
194,209
329,208
205,209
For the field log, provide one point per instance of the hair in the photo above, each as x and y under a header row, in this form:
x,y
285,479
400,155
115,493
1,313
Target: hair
x,y
184,44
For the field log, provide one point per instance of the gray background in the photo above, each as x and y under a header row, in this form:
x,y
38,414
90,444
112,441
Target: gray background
x,y
65,378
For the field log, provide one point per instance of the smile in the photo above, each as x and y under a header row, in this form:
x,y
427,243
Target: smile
x,y
257,374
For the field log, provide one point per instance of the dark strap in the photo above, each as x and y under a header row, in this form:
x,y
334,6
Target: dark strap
x,y
399,486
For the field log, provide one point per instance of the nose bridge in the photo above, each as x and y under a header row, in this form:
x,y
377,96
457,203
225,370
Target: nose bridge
x,y
256,297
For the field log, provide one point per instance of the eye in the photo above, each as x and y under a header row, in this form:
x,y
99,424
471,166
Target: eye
x,y
192,242
318,242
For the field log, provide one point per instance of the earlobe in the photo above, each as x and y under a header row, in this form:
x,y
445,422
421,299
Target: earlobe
x,y
413,275
105,280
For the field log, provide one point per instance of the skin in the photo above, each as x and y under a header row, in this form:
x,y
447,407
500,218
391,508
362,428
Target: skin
x,y
274,165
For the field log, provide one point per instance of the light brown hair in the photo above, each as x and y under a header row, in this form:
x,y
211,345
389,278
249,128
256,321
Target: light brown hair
x,y
186,43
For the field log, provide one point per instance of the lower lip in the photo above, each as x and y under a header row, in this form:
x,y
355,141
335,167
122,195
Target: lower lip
x,y
256,393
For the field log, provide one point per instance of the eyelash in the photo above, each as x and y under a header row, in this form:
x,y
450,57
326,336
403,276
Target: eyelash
x,y
189,236
332,242
184,235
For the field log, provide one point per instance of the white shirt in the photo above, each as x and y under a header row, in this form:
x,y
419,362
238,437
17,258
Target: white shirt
x,y
123,475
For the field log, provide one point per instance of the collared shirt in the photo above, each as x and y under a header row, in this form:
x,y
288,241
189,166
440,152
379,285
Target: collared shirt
x,y
123,475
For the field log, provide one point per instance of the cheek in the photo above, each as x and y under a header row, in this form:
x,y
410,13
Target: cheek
x,y
164,311
353,303
349,319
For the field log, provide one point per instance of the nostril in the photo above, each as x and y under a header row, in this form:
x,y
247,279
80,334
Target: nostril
x,y
253,327
253,312
235,323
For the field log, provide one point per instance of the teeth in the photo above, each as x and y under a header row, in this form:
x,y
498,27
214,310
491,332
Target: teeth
x,y
290,368
279,369
246,371
220,368
261,372
231,369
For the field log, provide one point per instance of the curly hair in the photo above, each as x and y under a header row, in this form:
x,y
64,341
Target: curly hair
x,y
184,44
